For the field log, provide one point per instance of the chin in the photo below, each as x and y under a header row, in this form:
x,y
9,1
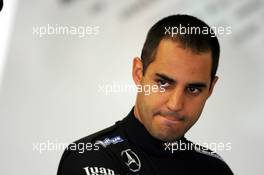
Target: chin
x,y
166,135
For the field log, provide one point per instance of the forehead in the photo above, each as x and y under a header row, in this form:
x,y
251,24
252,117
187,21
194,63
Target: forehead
x,y
178,62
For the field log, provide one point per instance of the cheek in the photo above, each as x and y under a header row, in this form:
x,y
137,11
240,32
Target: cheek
x,y
194,108
150,104
156,100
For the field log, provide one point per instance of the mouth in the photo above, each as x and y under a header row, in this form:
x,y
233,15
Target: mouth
x,y
172,119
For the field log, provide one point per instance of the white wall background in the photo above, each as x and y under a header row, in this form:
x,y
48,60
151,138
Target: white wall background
x,y
50,85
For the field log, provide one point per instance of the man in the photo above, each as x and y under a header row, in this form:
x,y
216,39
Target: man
x,y
179,61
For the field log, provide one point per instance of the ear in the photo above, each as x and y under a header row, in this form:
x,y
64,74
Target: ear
x,y
212,86
137,70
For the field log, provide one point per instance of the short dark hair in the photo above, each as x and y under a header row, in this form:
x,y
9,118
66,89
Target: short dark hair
x,y
204,41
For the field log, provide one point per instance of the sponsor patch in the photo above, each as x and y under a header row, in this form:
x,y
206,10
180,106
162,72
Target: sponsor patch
x,y
108,141
131,160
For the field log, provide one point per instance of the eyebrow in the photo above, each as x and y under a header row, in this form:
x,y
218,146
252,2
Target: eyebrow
x,y
171,80
198,85
165,77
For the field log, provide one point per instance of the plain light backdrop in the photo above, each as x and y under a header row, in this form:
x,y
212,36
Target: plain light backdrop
x,y
50,85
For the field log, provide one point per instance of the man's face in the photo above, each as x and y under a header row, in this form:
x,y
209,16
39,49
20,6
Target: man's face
x,y
186,78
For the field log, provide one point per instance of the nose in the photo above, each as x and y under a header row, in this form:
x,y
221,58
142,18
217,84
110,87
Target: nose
x,y
176,100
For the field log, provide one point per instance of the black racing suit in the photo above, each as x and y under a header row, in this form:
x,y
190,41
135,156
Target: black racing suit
x,y
127,148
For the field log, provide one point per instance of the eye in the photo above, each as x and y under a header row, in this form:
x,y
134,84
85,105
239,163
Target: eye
x,y
163,83
193,90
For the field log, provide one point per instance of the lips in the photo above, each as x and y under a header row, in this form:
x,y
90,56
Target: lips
x,y
171,119
170,116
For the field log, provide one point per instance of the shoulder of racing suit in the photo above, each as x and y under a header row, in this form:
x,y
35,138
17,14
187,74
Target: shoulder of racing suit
x,y
94,154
